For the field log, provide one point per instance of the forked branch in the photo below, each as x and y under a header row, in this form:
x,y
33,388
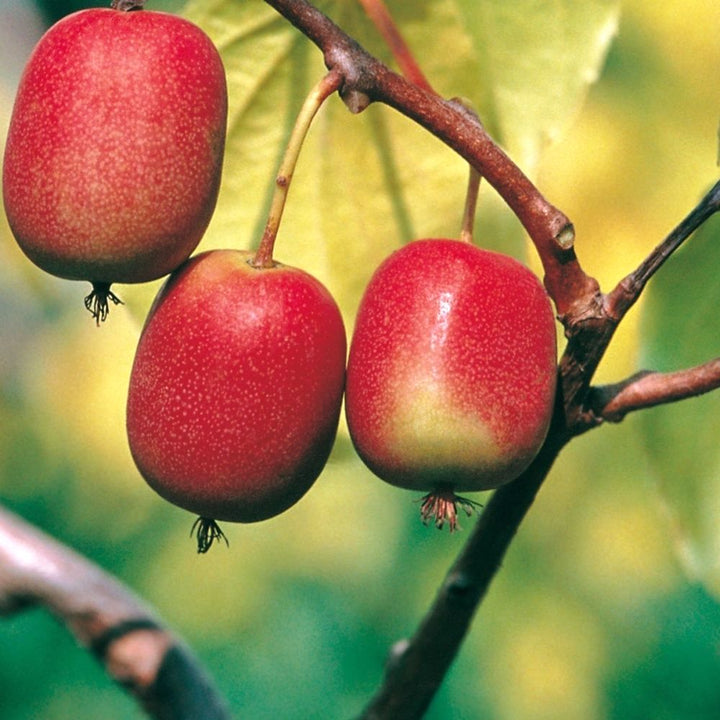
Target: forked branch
x,y
590,336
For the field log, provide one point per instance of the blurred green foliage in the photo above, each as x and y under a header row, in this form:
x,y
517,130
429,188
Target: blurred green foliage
x,y
600,610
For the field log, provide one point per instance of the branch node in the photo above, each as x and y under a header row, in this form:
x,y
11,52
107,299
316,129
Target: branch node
x,y
355,100
397,651
566,237
347,59
465,106
458,586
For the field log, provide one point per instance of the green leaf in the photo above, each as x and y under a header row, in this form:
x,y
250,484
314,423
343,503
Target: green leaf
x,y
679,331
366,184
538,59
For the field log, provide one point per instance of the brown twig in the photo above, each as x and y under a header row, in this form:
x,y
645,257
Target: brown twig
x,y
378,12
589,335
628,290
105,617
368,80
649,389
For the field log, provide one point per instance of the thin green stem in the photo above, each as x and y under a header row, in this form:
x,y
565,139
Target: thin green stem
x,y
474,179
329,84
471,198
367,80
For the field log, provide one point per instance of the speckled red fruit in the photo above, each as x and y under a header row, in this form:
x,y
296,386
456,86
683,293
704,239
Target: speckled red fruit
x,y
452,366
236,387
114,151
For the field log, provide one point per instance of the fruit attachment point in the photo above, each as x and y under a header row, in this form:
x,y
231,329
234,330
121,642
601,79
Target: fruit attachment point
x,y
441,506
127,5
97,301
207,531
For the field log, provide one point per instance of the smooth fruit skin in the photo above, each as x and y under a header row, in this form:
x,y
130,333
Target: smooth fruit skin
x,y
236,387
114,152
452,368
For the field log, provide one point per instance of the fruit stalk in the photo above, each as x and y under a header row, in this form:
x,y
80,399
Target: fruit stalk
x,y
329,84
471,198
127,5
368,80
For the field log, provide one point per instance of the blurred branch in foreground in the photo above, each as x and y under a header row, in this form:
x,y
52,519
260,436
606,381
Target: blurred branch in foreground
x,y
105,617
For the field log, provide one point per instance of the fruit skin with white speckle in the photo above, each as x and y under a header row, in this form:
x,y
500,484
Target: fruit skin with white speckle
x,y
236,387
452,368
114,152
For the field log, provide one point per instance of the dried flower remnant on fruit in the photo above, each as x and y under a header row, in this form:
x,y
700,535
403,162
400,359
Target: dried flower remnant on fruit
x,y
206,531
441,507
97,301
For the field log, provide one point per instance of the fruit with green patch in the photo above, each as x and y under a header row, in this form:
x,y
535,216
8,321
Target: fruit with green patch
x,y
451,372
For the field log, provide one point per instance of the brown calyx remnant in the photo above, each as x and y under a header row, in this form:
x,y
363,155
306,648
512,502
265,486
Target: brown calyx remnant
x,y
441,506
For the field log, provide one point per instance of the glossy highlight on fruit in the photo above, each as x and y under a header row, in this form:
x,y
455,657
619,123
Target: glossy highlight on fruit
x,y
451,372
236,388
114,151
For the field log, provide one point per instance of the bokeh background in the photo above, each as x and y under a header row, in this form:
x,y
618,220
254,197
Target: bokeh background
x,y
607,603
